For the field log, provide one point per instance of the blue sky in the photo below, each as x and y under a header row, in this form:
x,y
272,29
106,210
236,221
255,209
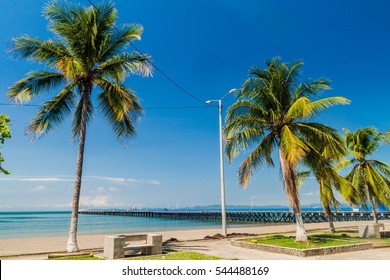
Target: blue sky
x,y
207,46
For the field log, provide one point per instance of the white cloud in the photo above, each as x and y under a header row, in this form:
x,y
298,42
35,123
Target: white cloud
x,y
37,179
152,182
113,189
52,179
40,188
98,201
71,179
101,190
126,180
309,194
63,205
112,179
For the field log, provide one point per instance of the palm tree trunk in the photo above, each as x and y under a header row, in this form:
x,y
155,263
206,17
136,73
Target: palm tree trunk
x,y
72,245
373,207
330,218
290,183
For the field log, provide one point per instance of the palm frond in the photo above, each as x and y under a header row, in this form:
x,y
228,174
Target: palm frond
x,y
53,112
106,14
303,176
245,107
378,185
323,138
122,65
311,88
242,140
33,85
77,28
117,41
293,148
47,52
241,123
381,166
299,109
255,160
120,106
344,164
293,71
303,108
326,195
64,20
375,143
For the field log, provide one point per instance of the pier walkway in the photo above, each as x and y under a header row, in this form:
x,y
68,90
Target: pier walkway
x,y
245,216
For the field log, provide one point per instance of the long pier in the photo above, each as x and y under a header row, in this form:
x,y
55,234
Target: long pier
x,y
245,216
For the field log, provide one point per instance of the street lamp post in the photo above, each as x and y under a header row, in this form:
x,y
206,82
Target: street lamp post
x,y
222,174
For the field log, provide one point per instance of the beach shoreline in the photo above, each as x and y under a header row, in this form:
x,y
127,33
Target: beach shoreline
x,y
12,248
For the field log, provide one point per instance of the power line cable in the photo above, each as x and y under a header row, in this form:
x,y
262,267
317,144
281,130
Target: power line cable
x,y
154,65
145,108
17,105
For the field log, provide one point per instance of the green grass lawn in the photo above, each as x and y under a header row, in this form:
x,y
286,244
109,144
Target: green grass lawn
x,y
78,258
315,240
354,236
168,255
178,255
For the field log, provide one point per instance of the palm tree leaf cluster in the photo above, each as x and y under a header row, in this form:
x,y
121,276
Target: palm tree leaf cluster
x,y
87,56
87,52
272,113
370,178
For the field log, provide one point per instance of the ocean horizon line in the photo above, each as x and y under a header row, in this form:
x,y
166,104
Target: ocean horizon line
x,y
215,207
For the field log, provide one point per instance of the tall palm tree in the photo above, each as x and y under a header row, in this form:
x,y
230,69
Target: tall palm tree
x,y
370,178
87,55
271,112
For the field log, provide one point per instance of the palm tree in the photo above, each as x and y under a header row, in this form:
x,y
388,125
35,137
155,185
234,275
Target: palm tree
x,y
271,111
370,178
88,54
329,180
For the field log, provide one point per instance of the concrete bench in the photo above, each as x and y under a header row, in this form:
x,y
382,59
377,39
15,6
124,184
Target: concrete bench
x,y
116,246
374,230
369,231
385,232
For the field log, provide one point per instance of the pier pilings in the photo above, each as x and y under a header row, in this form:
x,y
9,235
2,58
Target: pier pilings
x,y
244,216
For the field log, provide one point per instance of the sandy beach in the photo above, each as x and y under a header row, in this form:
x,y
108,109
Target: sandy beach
x,y
38,248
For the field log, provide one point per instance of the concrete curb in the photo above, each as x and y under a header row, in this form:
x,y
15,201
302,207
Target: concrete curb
x,y
303,252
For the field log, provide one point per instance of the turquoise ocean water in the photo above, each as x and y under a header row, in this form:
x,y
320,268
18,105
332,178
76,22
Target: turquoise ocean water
x,y
39,224
56,223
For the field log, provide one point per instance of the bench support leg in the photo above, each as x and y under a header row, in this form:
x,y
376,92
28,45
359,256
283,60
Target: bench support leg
x,y
114,247
156,241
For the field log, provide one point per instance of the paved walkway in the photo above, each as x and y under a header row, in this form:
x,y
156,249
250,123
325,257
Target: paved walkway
x,y
38,248
223,249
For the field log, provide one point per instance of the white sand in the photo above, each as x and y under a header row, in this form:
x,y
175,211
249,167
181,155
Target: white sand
x,y
44,245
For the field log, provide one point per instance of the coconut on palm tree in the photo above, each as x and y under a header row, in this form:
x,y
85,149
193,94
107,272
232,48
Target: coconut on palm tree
x,y
369,177
87,56
272,112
